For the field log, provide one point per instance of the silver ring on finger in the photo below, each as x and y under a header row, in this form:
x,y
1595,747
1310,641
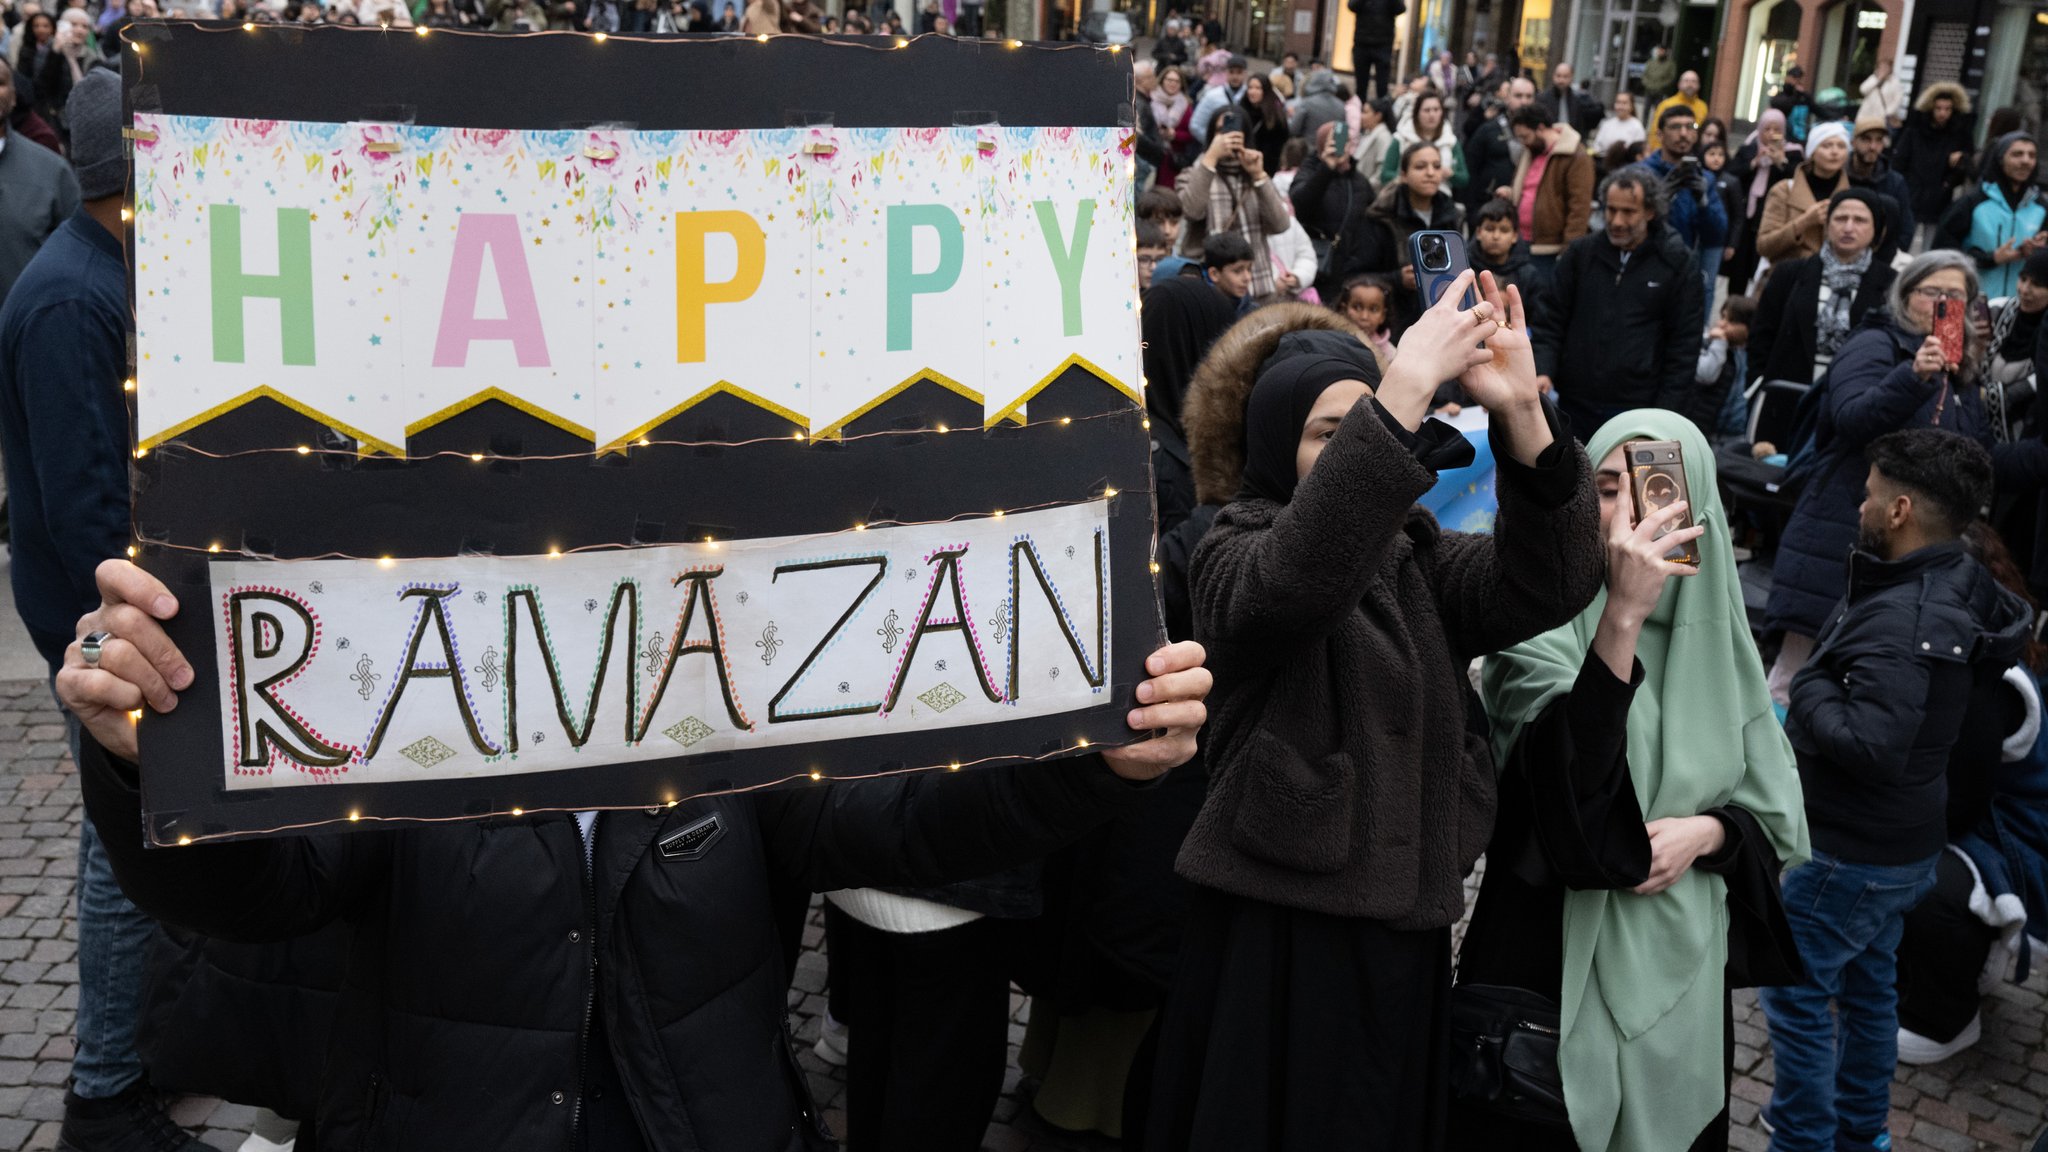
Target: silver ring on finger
x,y
91,645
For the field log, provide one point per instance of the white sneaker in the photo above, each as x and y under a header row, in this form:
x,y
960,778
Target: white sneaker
x,y
831,1045
1917,1049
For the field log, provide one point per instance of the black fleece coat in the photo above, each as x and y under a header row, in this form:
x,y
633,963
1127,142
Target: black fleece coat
x,y
1343,777
500,994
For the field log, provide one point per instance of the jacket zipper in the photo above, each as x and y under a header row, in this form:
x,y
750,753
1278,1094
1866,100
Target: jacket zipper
x,y
590,989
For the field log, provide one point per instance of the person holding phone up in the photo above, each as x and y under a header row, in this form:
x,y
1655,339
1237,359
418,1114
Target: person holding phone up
x,y
1646,785
1895,372
1227,190
1345,805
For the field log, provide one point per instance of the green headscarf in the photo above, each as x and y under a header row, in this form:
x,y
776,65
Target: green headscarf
x,y
1641,1001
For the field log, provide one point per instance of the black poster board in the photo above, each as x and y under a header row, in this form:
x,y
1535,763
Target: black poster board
x,y
265,482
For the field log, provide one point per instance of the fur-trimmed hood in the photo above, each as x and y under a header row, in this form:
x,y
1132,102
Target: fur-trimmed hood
x,y
1214,412
1955,92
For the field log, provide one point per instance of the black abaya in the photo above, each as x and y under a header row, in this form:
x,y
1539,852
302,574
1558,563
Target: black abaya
x,y
1294,1031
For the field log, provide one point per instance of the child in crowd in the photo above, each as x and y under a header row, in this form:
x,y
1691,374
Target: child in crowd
x,y
1874,715
1366,302
1162,207
1152,248
1227,263
1723,373
1497,247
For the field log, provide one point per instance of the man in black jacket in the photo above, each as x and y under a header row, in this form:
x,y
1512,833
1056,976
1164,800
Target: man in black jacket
x,y
1568,105
1874,715
1372,44
1490,146
523,983
1623,325
1869,169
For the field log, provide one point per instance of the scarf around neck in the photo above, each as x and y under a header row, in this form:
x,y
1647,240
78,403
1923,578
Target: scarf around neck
x,y
1838,285
1641,1000
1234,207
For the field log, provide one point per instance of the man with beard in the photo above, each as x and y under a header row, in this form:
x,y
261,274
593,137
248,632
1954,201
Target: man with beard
x,y
1874,716
1626,310
1869,169
1490,148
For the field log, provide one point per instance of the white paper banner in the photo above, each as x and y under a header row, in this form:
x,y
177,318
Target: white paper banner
x,y
369,670
382,278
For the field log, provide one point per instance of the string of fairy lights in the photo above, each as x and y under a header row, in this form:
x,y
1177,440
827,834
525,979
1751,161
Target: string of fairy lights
x,y
139,39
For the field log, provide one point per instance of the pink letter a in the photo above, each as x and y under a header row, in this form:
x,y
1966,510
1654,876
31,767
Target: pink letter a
x,y
498,232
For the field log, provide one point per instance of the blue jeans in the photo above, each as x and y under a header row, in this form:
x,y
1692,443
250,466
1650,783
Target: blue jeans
x,y
113,938
1833,1087
1710,270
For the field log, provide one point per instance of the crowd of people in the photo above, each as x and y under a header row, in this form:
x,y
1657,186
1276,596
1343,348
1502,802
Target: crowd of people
x,y
1237,929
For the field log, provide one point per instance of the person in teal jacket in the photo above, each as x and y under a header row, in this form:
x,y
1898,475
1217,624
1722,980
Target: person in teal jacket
x,y
2001,222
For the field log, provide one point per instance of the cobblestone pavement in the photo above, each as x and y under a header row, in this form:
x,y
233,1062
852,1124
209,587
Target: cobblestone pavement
x,y
1990,1097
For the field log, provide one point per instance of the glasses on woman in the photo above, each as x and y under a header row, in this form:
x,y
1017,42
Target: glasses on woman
x,y
1929,293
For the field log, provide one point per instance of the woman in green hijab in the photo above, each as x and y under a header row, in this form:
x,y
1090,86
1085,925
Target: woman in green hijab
x,y
1648,801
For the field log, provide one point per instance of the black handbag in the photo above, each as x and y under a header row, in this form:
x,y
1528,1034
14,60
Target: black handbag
x,y
1504,1053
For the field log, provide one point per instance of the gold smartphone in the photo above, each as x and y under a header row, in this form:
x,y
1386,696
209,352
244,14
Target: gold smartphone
x,y
1656,471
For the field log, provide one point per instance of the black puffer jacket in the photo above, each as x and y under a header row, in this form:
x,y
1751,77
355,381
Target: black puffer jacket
x,y
501,995
1877,710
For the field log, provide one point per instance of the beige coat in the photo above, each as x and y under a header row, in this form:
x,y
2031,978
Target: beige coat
x,y
1780,236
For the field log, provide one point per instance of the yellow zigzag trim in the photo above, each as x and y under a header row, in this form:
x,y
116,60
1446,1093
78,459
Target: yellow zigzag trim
x,y
723,386
504,397
371,444
837,428
1075,361
367,442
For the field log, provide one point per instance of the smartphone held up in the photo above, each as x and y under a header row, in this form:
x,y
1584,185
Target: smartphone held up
x,y
1439,258
1656,473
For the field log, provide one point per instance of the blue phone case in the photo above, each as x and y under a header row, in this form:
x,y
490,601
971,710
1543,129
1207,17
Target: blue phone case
x,y
1432,285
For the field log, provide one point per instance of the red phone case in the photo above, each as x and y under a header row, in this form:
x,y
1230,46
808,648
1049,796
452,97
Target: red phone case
x,y
1948,328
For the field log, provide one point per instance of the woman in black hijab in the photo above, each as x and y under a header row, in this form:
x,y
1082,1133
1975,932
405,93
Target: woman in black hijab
x,y
1348,794
1179,319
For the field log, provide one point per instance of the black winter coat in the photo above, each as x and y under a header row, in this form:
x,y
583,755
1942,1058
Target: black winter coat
x,y
1331,207
1389,221
1375,20
1921,156
1489,162
1781,338
501,995
1622,337
1876,712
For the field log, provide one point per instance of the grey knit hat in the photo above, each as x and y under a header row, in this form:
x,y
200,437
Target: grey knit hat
x,y
94,113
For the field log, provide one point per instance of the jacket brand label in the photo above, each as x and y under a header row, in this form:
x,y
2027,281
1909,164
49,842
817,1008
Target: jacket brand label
x,y
693,842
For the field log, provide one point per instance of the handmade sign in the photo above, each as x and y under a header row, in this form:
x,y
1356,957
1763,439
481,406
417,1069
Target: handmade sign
x,y
609,444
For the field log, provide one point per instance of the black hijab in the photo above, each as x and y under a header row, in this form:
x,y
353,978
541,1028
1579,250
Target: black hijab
x,y
1179,319
1286,392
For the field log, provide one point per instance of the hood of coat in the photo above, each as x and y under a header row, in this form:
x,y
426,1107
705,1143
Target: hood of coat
x,y
1955,92
1214,412
1319,84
